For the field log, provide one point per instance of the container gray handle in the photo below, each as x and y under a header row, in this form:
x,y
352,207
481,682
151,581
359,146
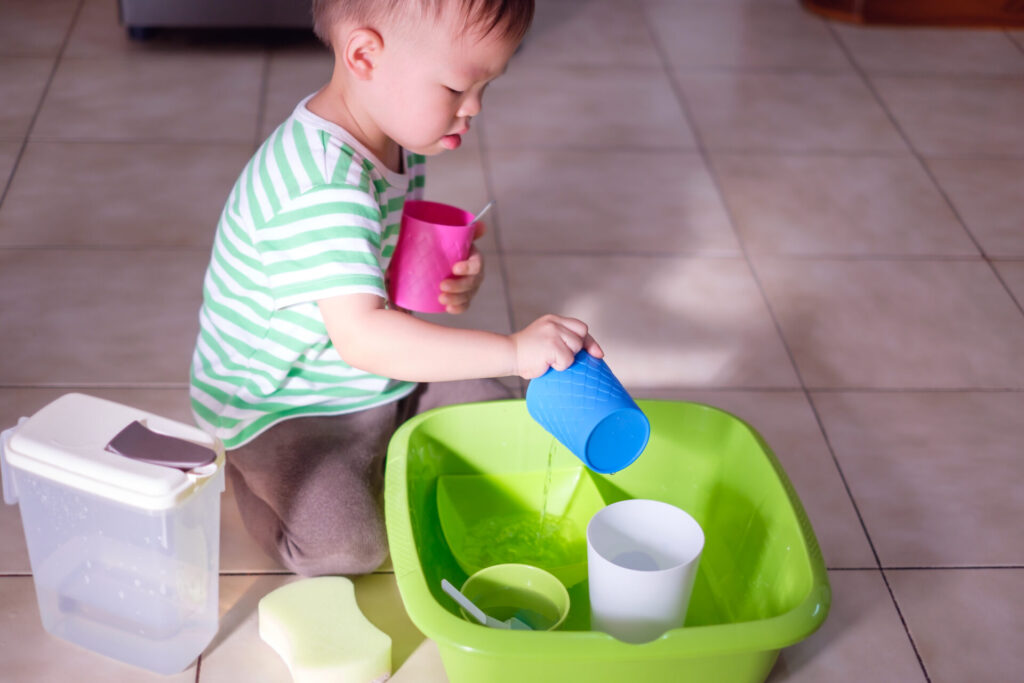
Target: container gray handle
x,y
139,442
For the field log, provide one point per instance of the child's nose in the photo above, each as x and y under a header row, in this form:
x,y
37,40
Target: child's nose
x,y
471,107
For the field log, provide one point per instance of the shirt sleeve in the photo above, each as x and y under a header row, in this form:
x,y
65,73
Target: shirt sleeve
x,y
325,242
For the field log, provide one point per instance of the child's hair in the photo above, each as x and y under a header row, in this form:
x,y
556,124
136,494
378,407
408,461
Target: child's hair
x,y
511,17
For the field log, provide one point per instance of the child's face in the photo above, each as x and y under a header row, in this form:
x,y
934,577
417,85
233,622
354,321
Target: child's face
x,y
429,82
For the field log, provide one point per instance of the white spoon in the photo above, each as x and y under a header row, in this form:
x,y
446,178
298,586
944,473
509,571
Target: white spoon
x,y
478,614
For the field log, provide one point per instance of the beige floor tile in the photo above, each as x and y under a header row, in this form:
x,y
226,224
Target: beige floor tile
x,y
99,317
966,623
8,155
930,473
788,425
787,112
238,551
589,33
292,75
98,32
663,322
986,193
558,106
102,194
424,665
958,51
839,205
34,27
896,324
957,116
1012,273
22,81
153,98
31,655
861,640
745,35
238,653
609,201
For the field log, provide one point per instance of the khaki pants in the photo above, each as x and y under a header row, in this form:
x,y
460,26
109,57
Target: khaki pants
x,y
310,489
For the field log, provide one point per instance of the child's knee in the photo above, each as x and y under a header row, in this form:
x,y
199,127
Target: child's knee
x,y
357,554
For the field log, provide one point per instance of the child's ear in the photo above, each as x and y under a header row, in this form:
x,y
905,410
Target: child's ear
x,y
361,51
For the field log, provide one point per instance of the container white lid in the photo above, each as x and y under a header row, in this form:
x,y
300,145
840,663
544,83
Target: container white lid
x,y
66,442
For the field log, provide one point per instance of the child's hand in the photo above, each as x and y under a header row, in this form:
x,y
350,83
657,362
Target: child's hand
x,y
551,341
457,292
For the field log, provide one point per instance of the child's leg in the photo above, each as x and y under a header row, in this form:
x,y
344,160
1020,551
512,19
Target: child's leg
x,y
310,491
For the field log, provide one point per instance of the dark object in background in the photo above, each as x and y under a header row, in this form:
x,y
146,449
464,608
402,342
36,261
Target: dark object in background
x,y
977,13
140,17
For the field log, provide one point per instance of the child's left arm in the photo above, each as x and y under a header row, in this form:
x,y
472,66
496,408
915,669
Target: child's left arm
x,y
457,292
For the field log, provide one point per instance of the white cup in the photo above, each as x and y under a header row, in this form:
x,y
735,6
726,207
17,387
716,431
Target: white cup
x,y
642,558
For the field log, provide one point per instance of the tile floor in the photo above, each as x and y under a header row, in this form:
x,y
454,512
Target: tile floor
x,y
816,226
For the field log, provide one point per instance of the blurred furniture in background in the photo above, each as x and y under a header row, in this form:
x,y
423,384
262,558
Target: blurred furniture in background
x,y
139,16
922,12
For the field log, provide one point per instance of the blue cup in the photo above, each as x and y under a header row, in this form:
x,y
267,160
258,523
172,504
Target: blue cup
x,y
587,409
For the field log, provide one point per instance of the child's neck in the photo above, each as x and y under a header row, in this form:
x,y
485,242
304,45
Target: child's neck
x,y
329,103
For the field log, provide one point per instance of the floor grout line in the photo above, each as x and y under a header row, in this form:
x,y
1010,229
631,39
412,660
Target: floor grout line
x,y
42,98
1018,43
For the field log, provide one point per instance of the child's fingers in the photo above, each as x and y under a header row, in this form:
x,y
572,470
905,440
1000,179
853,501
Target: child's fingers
x,y
575,332
592,347
461,285
473,265
564,357
456,303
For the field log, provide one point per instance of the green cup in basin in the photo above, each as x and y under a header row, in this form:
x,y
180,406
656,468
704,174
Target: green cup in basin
x,y
490,519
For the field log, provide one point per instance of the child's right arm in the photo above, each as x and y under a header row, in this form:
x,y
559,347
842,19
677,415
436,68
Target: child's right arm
x,y
394,344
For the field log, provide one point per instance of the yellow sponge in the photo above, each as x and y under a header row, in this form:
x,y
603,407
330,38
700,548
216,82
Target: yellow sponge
x,y
317,628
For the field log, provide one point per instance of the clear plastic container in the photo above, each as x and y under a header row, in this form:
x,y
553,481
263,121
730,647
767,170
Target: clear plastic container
x,y
124,553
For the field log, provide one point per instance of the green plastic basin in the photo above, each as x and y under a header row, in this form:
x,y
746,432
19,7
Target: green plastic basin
x,y
761,585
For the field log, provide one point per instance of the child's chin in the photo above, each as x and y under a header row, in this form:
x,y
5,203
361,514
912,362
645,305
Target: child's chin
x,y
428,150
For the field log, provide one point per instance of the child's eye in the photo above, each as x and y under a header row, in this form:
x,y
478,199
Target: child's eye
x,y
454,91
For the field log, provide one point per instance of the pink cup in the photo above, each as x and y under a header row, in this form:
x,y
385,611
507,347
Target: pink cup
x,y
433,238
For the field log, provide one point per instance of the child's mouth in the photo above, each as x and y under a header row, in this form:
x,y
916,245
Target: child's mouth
x,y
451,141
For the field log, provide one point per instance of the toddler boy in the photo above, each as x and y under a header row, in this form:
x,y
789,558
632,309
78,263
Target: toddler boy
x,y
302,367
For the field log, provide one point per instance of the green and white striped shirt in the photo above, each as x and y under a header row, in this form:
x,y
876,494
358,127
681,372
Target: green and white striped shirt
x,y
313,215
